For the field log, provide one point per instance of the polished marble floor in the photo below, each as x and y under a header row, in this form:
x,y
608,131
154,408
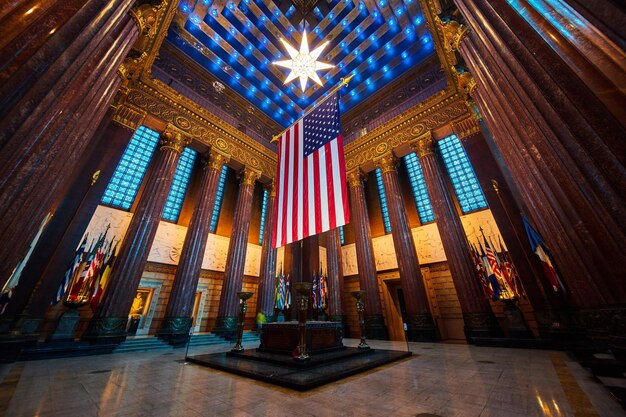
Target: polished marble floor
x,y
445,380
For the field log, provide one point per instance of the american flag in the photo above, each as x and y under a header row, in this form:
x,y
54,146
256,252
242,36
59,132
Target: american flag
x,y
311,193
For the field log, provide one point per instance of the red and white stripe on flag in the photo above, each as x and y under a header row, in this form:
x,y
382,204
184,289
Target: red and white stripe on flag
x,y
311,191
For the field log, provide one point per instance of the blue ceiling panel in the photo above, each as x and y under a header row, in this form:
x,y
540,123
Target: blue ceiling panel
x,y
238,42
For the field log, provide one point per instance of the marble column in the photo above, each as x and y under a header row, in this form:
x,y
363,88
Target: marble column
x,y
292,267
226,324
549,307
549,91
108,324
477,315
335,276
177,321
55,90
374,320
43,274
267,280
421,326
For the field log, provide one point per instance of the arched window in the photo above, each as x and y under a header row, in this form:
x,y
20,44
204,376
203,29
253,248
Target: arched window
x,y
464,181
176,196
126,180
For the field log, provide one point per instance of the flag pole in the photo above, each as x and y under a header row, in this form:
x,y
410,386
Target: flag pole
x,y
344,81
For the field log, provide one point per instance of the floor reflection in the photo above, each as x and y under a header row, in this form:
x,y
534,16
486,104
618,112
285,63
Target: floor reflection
x,y
440,379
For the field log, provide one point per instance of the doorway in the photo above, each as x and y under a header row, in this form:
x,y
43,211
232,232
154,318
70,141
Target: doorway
x,y
395,311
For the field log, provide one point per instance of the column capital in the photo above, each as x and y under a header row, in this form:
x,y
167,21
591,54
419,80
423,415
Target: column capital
x,y
424,145
215,159
174,139
453,31
145,17
464,80
466,128
129,117
249,176
354,178
387,162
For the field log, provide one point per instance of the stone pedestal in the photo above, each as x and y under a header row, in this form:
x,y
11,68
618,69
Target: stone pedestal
x,y
66,327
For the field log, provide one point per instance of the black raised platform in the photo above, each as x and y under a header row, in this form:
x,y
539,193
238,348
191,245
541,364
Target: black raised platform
x,y
282,370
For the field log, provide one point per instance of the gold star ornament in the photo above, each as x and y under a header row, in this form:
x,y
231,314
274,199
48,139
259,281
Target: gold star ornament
x,y
304,64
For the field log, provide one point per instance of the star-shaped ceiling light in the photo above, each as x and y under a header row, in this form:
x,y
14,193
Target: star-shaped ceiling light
x,y
304,64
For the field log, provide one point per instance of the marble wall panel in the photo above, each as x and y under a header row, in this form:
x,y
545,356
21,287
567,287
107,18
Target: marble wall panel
x,y
169,240
170,237
427,243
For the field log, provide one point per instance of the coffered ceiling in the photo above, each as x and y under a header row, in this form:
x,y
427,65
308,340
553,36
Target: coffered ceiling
x,y
238,41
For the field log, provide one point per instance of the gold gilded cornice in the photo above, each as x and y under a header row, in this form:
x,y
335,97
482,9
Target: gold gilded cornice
x,y
439,110
453,32
128,117
424,145
447,57
466,127
162,102
387,162
216,160
465,81
249,176
354,178
166,9
173,138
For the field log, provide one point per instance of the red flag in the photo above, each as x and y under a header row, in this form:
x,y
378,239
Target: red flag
x,y
311,190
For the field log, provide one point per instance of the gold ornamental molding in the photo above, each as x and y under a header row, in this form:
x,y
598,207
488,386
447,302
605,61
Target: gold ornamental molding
x,y
354,178
453,32
249,176
387,162
466,127
432,8
162,102
175,139
128,117
216,160
424,145
438,111
159,24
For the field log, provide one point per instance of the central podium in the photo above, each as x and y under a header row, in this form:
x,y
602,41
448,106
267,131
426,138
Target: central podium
x,y
282,337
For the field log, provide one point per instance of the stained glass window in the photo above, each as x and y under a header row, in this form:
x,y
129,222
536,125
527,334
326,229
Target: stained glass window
x,y
418,186
263,214
179,186
122,189
464,181
219,196
383,200
341,238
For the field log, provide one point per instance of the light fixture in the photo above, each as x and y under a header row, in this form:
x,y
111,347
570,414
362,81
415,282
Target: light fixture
x,y
304,64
